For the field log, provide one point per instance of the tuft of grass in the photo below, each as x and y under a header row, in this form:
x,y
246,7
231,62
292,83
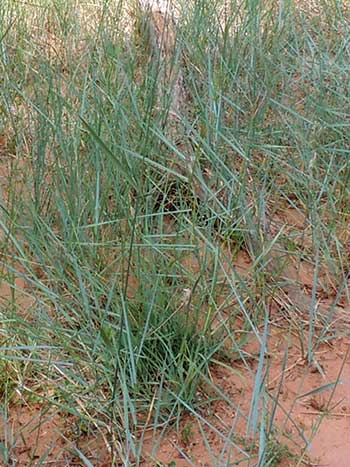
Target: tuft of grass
x,y
131,292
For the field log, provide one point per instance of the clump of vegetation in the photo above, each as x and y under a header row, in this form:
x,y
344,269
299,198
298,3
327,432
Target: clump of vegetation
x,y
131,295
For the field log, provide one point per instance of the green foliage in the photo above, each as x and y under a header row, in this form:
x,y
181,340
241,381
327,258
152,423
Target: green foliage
x,y
133,290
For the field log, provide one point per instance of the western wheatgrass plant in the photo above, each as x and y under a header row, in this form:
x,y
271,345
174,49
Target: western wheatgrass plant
x,y
133,299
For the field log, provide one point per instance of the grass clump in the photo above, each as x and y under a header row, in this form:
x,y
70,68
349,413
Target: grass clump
x,y
132,297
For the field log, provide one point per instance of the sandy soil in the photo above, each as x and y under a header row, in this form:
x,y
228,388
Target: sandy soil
x,y
35,432
330,445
